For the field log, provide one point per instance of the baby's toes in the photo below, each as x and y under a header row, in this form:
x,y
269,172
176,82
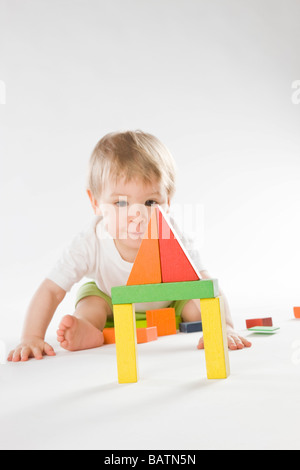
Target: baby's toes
x,y
60,335
66,323
64,344
64,330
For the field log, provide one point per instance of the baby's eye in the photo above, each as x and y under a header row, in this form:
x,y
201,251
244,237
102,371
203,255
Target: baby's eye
x,y
150,203
121,203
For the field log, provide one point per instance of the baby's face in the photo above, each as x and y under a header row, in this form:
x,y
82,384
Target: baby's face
x,y
126,208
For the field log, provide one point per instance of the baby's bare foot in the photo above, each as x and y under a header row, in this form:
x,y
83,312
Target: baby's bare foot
x,y
75,334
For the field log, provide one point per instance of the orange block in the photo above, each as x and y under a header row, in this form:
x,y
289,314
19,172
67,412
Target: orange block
x,y
176,265
144,335
146,268
164,319
109,335
297,312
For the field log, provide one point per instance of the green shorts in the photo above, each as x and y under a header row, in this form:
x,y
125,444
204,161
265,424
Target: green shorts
x,y
90,288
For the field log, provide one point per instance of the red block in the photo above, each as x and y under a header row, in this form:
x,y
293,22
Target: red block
x,y
259,322
175,263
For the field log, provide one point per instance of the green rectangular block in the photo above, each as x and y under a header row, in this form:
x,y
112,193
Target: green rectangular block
x,y
267,330
204,289
141,323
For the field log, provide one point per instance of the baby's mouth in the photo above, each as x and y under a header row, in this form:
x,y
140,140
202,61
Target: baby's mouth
x,y
135,234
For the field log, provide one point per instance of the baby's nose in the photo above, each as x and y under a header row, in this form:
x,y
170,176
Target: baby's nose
x,y
138,214
141,227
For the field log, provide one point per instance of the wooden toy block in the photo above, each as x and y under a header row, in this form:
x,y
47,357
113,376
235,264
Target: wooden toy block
x,y
266,330
176,264
126,343
163,319
141,324
259,322
267,321
109,332
178,321
145,335
297,312
109,335
146,268
190,327
215,338
109,324
204,289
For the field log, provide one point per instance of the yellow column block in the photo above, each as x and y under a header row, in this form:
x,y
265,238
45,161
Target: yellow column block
x,y
126,344
215,338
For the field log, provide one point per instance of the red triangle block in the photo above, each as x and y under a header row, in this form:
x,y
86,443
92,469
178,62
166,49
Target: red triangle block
x,y
176,265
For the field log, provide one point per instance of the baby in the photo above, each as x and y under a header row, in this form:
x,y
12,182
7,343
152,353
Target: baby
x,y
129,173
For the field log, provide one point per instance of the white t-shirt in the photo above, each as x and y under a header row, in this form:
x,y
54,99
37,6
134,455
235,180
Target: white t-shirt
x,y
93,254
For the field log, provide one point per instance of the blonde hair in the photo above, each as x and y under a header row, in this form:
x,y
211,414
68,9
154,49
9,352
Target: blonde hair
x,y
130,154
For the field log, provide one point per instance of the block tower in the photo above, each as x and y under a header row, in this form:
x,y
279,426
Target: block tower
x,y
163,271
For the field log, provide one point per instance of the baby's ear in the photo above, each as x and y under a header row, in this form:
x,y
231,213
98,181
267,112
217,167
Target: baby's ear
x,y
94,201
168,206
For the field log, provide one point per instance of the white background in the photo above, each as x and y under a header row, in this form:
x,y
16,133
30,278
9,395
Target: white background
x,y
211,78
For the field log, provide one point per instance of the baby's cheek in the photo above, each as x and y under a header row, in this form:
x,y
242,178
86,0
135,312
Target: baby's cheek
x,y
120,225
110,227
111,223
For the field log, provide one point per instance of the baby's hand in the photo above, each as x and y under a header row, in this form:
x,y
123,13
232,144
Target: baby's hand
x,y
235,341
31,346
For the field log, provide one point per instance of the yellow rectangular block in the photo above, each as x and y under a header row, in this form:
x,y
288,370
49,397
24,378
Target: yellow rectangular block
x,y
126,343
215,338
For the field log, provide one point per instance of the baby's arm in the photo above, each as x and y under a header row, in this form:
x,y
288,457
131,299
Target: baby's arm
x,y
235,341
39,314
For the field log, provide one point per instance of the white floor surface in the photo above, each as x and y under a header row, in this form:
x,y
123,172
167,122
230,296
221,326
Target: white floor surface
x,y
73,401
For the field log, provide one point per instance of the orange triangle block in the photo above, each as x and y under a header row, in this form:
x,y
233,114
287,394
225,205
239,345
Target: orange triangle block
x,y
146,268
176,265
